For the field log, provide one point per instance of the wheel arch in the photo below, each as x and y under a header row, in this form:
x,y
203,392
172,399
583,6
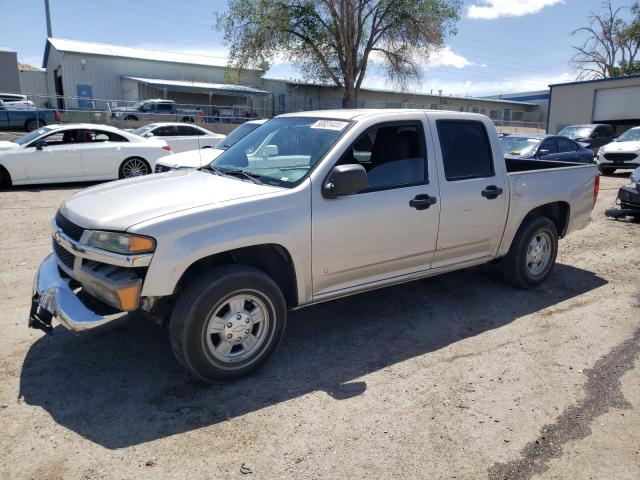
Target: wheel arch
x,y
5,177
40,122
270,258
558,212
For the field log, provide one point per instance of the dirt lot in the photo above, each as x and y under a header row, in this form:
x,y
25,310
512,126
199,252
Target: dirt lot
x,y
458,377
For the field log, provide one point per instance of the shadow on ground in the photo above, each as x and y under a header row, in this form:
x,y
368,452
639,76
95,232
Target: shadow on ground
x,y
121,386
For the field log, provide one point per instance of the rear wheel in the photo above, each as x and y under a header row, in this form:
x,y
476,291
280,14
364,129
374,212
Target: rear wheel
x,y
5,178
188,120
32,124
606,170
532,255
131,117
227,323
134,167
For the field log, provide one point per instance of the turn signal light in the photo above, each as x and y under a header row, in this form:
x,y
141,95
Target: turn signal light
x,y
128,297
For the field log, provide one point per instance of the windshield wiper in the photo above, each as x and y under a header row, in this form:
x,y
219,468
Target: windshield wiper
x,y
243,174
212,169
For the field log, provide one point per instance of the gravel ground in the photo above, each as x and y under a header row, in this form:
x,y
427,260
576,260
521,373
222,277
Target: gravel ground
x,y
459,376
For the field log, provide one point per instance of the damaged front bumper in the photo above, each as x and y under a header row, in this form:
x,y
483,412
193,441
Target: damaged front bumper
x,y
54,298
629,201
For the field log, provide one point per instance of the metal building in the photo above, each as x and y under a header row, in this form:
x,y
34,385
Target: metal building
x,y
95,71
615,101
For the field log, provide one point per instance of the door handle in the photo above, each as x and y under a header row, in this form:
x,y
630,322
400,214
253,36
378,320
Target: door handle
x,y
492,192
422,201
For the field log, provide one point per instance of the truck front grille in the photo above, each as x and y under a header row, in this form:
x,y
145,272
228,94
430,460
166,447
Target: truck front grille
x,y
64,256
620,157
69,228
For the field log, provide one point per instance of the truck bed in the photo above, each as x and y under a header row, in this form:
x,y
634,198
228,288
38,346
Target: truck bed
x,y
527,165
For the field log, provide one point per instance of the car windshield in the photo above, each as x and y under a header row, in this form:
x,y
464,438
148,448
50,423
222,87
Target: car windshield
x,y
576,132
282,151
520,146
632,135
142,130
33,135
239,133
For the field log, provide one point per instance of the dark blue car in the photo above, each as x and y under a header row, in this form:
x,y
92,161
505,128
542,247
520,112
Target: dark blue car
x,y
545,147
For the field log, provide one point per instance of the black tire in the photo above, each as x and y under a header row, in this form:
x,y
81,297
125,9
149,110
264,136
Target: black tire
x,y
124,172
188,120
131,117
197,304
5,178
33,123
515,265
606,170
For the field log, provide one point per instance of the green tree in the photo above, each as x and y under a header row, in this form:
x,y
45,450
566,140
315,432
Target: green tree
x,y
333,40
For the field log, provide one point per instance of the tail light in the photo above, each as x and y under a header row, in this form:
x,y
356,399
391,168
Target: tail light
x,y
596,189
167,148
57,116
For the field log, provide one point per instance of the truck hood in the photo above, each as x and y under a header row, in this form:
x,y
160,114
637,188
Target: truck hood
x,y
621,147
192,158
120,205
8,145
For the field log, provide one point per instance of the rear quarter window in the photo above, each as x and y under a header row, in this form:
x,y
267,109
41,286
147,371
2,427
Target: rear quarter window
x,y
466,151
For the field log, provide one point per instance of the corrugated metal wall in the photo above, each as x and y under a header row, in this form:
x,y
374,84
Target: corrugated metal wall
x,y
33,83
9,80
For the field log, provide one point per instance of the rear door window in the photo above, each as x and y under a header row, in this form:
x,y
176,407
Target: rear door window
x,y
466,150
550,145
186,130
566,145
166,131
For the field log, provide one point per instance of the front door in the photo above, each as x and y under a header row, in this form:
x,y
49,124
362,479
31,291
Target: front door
x,y
475,203
102,153
387,230
59,158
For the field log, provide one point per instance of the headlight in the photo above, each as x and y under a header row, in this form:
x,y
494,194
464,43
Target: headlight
x,y
121,242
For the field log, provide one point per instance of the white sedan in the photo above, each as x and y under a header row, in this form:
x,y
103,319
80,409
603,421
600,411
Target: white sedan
x,y
181,137
77,153
198,158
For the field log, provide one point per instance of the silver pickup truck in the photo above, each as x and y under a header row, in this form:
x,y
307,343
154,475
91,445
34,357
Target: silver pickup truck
x,y
306,208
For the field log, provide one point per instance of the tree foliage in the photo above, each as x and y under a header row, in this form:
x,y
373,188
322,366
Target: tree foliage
x,y
333,41
611,45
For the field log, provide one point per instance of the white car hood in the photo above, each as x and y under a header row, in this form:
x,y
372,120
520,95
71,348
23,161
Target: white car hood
x,y
121,204
622,147
8,145
192,158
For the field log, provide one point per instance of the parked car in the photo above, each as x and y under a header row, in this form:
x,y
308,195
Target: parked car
x,y
155,110
77,152
26,119
198,158
624,152
346,201
545,147
180,137
628,199
15,100
592,135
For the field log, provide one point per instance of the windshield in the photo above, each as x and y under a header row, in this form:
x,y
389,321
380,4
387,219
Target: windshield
x,y
282,151
521,146
239,133
632,135
576,132
142,130
33,135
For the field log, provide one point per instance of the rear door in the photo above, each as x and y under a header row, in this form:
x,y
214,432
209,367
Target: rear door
x,y
102,153
568,150
169,133
473,193
187,138
59,158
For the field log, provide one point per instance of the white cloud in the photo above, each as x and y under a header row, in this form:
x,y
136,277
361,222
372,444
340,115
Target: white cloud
x,y
448,58
491,9
473,88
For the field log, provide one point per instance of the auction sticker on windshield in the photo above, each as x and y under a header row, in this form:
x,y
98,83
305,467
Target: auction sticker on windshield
x,y
329,124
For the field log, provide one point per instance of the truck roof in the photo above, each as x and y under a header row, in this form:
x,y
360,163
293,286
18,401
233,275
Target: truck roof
x,y
355,113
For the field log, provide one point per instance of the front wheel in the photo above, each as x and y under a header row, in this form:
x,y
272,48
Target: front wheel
x,y
32,124
532,255
227,323
134,167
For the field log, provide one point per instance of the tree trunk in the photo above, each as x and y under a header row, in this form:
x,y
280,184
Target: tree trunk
x,y
350,95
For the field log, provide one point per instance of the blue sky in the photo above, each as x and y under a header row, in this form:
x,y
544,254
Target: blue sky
x,y
501,46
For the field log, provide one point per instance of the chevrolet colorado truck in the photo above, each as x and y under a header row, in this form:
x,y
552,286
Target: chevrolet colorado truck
x,y
308,207
155,110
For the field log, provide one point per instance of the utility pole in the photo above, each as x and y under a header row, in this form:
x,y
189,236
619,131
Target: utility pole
x,y
48,14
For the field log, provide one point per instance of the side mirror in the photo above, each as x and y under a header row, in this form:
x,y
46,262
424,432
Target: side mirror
x,y
148,135
40,144
345,180
270,151
543,151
